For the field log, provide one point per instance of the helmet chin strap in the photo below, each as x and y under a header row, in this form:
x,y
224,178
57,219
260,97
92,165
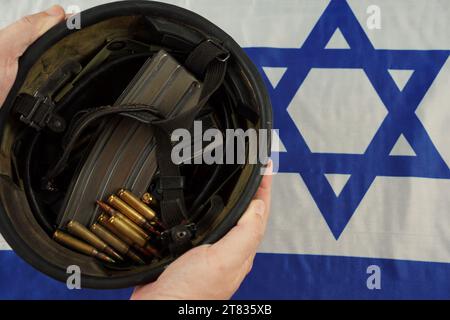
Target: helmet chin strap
x,y
208,59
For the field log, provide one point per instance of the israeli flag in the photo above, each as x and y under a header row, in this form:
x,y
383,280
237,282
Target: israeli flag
x,y
361,203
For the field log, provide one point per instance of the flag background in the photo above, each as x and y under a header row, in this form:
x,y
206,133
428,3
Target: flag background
x,y
397,215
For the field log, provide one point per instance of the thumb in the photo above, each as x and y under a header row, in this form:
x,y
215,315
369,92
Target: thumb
x,y
21,34
241,242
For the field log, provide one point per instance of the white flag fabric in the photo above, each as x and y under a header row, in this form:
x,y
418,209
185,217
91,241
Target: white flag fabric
x,y
361,202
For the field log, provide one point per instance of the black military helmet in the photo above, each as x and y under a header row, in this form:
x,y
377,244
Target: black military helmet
x,y
87,177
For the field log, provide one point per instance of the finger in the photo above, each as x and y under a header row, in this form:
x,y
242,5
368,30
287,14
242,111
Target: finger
x,y
268,172
265,187
248,265
264,193
242,240
19,35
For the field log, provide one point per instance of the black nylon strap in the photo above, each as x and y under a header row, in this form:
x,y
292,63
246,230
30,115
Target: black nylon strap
x,y
206,59
140,112
168,182
203,55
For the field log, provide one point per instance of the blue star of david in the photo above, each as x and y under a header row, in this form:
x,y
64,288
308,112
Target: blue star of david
x,y
401,119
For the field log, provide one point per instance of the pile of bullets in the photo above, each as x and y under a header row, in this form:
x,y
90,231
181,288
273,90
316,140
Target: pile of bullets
x,y
127,229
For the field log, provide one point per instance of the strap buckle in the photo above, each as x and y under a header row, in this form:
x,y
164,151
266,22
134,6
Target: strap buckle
x,y
37,112
225,55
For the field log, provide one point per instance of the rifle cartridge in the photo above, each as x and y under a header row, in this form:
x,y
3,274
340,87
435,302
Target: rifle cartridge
x,y
77,229
126,230
114,213
103,219
137,204
80,246
148,213
115,242
132,214
149,199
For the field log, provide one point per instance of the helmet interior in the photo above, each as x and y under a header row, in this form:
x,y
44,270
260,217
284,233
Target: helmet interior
x,y
30,209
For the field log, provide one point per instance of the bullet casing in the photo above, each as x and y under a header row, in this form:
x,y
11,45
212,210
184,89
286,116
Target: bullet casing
x,y
79,246
149,199
147,212
115,242
132,214
131,224
114,213
134,202
134,226
74,243
125,209
77,229
103,220
133,256
110,238
126,230
82,232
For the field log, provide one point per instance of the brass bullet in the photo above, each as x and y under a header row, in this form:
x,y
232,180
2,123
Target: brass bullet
x,y
106,208
77,229
109,238
150,200
103,219
137,204
132,225
123,228
141,250
147,212
115,242
80,246
132,214
124,208
152,229
133,256
114,213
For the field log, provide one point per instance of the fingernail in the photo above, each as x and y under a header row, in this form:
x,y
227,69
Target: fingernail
x,y
269,167
259,206
54,11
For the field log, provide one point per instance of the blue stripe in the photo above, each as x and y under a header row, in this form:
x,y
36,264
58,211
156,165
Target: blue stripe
x,y
291,276
274,276
18,280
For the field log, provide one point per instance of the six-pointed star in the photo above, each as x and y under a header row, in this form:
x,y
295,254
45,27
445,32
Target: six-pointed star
x,y
401,119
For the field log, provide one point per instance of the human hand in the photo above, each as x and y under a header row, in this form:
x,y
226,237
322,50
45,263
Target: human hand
x,y
17,37
216,271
